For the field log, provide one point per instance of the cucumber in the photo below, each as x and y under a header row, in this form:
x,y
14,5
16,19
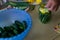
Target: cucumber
x,y
1,31
14,26
25,24
20,26
23,8
8,31
4,34
19,4
9,35
12,30
32,7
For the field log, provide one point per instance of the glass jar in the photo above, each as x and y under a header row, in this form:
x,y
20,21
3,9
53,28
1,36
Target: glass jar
x,y
44,14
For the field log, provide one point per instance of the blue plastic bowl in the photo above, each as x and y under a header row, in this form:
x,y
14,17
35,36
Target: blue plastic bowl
x,y
16,14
